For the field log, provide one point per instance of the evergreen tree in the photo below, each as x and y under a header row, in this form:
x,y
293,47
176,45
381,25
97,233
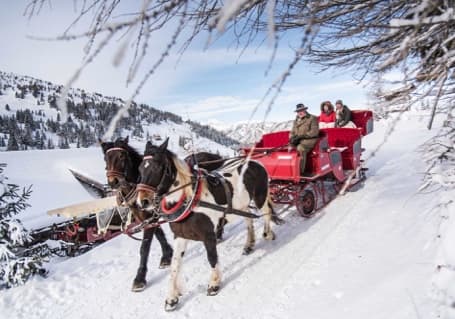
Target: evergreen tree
x,y
12,143
27,138
7,107
50,144
63,143
15,266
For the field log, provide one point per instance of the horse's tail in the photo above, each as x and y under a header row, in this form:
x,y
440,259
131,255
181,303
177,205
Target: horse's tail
x,y
274,216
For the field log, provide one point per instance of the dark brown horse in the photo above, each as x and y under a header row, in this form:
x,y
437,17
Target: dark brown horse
x,y
182,191
122,170
122,162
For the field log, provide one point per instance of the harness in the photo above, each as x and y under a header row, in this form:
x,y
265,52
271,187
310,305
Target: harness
x,y
183,208
113,172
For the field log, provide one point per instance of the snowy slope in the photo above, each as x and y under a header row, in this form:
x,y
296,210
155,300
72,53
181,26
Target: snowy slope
x,y
54,186
248,133
33,120
369,254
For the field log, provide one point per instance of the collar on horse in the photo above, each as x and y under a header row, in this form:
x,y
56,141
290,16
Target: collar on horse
x,y
184,206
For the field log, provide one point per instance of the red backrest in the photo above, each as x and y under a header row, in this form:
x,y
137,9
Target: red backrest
x,y
342,137
363,119
274,139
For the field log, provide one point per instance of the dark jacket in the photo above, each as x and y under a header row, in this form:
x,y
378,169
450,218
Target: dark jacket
x,y
343,117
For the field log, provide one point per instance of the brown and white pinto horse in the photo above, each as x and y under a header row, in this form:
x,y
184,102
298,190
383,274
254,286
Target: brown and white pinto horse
x,y
171,180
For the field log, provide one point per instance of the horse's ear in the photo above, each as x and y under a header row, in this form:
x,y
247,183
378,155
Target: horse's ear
x,y
126,139
100,141
148,145
104,146
163,146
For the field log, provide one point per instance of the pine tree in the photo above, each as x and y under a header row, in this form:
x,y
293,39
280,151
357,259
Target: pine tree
x,y
12,143
15,266
50,143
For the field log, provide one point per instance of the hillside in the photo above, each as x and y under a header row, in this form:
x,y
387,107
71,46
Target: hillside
x,y
248,133
368,254
29,118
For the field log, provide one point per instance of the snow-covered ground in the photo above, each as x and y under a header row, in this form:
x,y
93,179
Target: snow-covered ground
x,y
369,254
54,186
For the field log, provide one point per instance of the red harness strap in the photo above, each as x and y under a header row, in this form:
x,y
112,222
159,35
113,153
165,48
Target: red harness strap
x,y
178,212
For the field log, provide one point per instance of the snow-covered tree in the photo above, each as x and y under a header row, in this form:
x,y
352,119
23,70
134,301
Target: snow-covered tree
x,y
367,37
15,268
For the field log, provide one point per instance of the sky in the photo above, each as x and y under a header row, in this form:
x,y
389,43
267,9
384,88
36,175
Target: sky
x,y
209,86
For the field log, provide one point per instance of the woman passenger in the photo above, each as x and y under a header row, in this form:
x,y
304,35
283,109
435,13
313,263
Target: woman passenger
x,y
328,116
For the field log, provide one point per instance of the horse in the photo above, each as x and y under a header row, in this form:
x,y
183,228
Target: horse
x,y
122,164
180,189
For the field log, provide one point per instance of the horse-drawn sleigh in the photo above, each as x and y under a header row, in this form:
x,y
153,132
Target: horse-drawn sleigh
x,y
334,163
196,195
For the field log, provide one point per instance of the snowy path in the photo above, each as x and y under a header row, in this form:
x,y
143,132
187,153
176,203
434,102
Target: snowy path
x,y
369,254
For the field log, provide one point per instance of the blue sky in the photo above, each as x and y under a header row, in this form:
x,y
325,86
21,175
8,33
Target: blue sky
x,y
207,86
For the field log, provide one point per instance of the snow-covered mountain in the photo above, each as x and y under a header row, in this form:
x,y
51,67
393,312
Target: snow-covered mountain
x,y
30,119
248,133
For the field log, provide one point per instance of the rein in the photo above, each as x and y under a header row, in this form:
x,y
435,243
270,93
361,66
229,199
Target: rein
x,y
256,155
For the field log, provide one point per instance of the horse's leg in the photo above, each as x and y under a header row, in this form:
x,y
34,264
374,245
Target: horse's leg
x,y
268,215
250,240
212,256
165,248
140,282
220,228
174,291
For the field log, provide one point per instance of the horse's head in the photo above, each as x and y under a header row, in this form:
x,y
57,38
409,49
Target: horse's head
x,y
157,173
119,165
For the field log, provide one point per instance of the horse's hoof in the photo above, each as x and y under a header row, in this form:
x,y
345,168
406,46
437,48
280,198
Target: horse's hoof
x,y
170,305
138,286
269,236
213,290
247,250
165,263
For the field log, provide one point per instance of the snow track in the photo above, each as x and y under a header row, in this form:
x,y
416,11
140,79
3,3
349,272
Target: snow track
x,y
368,254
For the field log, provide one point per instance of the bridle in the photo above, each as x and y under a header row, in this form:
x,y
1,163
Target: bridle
x,y
184,205
158,190
127,190
113,172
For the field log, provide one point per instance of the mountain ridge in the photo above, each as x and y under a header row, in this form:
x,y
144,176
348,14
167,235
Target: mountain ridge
x,y
30,118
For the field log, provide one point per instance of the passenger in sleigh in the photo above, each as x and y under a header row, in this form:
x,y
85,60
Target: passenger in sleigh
x,y
304,134
343,115
327,117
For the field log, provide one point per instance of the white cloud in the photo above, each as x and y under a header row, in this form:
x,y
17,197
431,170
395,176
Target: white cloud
x,y
211,106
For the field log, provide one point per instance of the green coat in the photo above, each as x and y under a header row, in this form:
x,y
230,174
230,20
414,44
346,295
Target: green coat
x,y
308,128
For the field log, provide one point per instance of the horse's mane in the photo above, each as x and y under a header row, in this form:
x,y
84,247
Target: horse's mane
x,y
136,157
184,174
